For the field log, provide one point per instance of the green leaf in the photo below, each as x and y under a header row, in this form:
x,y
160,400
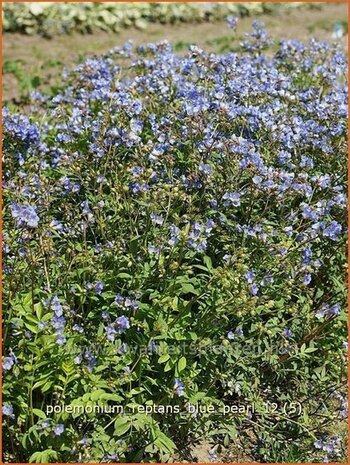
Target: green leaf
x,y
96,395
32,328
181,364
121,426
208,262
39,413
45,456
168,366
163,358
38,310
35,458
309,350
189,289
68,367
124,276
115,397
134,245
164,443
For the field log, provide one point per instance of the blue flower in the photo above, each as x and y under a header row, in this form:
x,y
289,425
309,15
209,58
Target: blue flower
x,y
100,179
287,333
25,214
136,170
157,219
232,21
254,289
309,213
123,322
61,340
56,225
111,457
179,387
239,331
7,363
257,180
45,424
334,310
318,444
58,429
19,127
131,303
174,235
99,288
333,230
56,306
123,348
152,347
306,254
206,169
232,198
78,328
250,276
7,410
153,250
320,313
111,332
119,300
58,323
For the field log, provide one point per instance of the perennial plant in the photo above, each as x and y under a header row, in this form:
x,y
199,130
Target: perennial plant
x,y
174,234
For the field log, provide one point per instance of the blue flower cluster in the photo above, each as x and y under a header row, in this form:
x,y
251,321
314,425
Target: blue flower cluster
x,y
168,198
